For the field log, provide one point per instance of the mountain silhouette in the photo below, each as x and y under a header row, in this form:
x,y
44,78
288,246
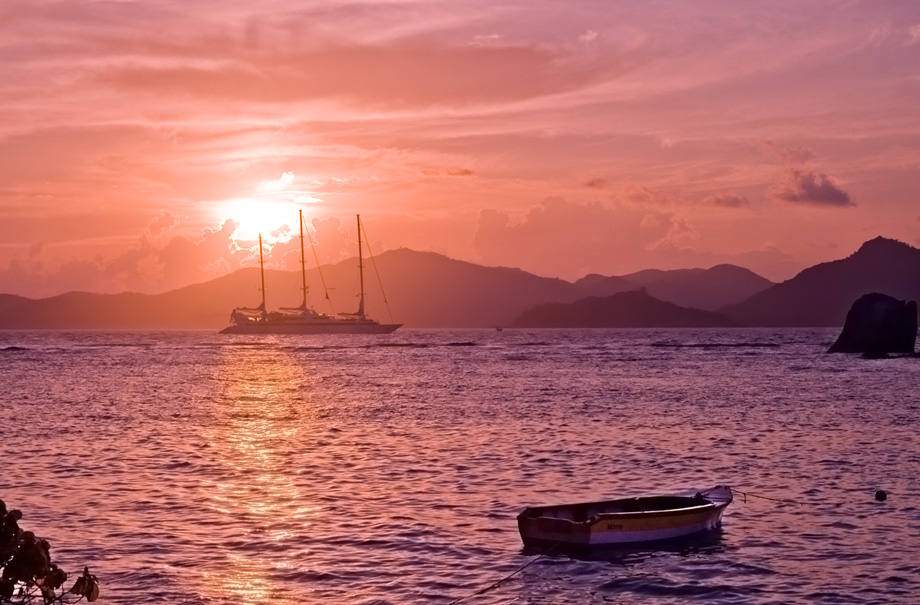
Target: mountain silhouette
x,y
423,289
708,289
822,295
429,290
426,289
634,309
601,285
11,301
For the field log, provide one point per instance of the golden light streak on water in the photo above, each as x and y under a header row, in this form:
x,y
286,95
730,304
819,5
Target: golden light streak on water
x,y
260,421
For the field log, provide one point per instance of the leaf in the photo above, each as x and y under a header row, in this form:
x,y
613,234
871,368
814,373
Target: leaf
x,y
79,587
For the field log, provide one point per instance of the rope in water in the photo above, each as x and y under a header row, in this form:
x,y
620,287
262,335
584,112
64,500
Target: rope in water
x,y
880,495
506,578
780,500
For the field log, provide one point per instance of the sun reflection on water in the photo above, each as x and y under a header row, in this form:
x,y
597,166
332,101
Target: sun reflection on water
x,y
259,423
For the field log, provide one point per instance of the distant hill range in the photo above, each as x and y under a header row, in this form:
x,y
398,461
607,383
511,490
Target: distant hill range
x,y
634,309
708,289
428,290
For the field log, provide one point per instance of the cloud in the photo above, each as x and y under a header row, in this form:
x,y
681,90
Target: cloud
x,y
357,97
560,238
596,183
726,200
639,194
395,76
152,265
679,230
793,156
797,155
802,184
486,39
162,223
811,188
914,34
460,172
331,240
564,239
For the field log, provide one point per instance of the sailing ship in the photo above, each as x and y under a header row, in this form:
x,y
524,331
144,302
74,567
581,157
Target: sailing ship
x,y
304,319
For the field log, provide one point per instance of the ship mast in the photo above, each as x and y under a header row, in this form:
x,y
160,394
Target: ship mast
x,y
303,265
262,271
360,312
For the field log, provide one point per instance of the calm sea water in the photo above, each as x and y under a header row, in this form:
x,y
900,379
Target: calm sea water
x,y
198,468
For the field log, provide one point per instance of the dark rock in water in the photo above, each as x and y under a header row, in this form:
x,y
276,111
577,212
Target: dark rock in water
x,y
878,324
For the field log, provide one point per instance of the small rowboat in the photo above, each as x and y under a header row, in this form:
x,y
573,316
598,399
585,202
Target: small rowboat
x,y
624,521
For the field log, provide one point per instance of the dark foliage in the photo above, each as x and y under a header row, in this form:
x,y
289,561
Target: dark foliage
x,y
27,574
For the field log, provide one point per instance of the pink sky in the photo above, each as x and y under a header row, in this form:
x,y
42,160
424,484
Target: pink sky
x,y
563,138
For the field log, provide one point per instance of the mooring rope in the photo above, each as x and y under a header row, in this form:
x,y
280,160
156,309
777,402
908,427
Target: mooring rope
x,y
762,497
880,496
506,578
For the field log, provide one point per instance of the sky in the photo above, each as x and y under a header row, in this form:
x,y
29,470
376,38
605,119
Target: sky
x,y
145,144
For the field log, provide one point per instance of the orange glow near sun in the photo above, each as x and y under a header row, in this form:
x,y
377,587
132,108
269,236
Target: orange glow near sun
x,y
268,212
260,216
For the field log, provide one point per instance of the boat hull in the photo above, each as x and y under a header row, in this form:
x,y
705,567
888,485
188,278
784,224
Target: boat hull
x,y
611,523
311,328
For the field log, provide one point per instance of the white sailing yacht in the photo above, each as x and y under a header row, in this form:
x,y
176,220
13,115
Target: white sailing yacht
x,y
304,319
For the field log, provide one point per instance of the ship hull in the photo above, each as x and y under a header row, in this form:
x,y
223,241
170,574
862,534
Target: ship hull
x,y
311,328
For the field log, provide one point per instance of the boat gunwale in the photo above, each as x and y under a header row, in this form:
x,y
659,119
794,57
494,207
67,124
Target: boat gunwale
x,y
693,504
670,512
634,500
657,513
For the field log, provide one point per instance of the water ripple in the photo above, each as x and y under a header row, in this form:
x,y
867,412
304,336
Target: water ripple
x,y
193,468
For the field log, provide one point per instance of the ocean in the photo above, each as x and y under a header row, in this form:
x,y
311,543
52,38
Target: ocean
x,y
190,467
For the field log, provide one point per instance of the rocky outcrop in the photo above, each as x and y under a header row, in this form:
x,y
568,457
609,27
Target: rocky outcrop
x,y
878,324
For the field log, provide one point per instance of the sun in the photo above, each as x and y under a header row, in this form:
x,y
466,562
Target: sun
x,y
265,217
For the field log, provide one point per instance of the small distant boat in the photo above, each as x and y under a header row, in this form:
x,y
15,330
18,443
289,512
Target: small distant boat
x,y
303,319
624,521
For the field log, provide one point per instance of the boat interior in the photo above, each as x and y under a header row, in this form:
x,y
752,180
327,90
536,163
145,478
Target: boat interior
x,y
584,511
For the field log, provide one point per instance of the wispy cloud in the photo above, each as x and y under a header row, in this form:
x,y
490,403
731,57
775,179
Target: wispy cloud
x,y
914,33
726,200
